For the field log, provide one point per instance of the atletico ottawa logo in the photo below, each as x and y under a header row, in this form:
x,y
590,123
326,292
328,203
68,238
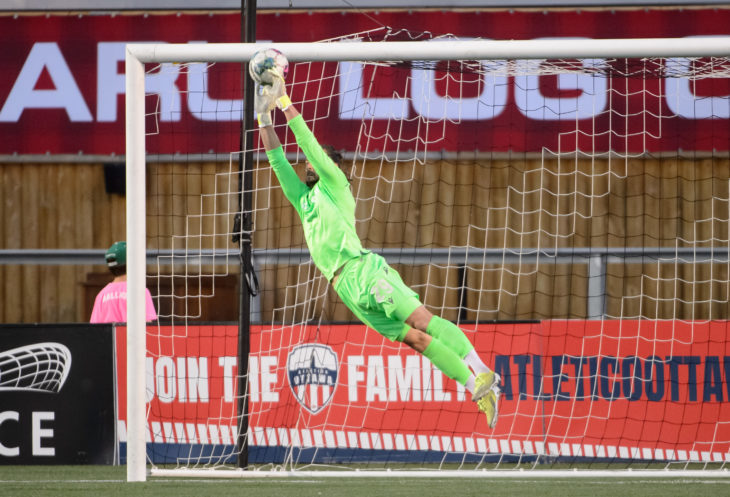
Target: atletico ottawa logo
x,y
312,369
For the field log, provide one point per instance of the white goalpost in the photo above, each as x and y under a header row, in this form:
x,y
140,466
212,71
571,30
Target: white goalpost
x,y
565,202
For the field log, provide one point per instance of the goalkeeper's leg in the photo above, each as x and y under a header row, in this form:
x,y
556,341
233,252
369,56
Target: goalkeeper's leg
x,y
456,340
451,335
484,387
439,354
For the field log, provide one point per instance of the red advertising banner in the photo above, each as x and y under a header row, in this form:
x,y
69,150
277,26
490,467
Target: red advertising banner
x,y
191,383
63,90
653,390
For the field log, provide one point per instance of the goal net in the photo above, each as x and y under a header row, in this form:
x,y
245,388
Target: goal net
x,y
565,202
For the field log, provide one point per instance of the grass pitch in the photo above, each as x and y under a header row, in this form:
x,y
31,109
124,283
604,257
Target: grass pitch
x,y
63,481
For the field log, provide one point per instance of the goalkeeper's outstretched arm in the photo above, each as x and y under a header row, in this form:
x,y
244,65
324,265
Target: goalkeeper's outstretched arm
x,y
291,185
317,157
269,138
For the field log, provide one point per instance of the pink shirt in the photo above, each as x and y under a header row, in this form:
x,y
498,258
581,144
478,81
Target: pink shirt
x,y
110,306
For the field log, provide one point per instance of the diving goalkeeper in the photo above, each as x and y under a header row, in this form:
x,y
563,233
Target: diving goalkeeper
x,y
370,288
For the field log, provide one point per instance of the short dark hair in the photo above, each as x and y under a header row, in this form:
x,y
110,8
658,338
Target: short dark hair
x,y
336,158
118,270
333,154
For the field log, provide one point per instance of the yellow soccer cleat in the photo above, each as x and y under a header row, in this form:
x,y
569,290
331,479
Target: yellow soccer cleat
x,y
483,383
486,395
488,405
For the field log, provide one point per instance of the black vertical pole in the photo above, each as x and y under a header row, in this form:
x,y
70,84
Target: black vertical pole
x,y
247,285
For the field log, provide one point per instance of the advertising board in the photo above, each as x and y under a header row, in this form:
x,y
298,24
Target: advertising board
x,y
64,87
655,390
57,402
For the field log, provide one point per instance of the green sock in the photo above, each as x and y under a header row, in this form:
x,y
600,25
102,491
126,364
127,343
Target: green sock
x,y
447,361
451,336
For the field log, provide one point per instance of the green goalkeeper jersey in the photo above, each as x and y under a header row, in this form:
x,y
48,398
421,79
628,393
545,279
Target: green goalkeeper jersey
x,y
327,210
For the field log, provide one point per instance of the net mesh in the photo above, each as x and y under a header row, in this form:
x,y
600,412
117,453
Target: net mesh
x,y
571,216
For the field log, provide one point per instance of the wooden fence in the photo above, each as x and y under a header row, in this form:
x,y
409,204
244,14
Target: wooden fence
x,y
647,202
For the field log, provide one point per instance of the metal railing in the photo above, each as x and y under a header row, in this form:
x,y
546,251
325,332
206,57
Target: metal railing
x,y
596,258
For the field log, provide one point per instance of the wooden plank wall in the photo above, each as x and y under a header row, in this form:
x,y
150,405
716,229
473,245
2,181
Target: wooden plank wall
x,y
53,206
651,202
633,203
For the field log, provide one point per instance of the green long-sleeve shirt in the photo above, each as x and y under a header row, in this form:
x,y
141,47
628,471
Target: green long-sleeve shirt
x,y
327,210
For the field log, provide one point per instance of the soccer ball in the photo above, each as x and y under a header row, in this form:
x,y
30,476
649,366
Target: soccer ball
x,y
266,59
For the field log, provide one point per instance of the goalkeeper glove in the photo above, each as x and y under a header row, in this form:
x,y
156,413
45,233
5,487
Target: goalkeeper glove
x,y
263,104
278,90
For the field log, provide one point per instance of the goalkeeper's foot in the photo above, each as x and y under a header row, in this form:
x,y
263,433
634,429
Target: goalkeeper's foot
x,y
489,406
488,402
483,383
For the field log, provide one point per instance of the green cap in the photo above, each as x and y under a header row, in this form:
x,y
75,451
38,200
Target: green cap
x,y
116,256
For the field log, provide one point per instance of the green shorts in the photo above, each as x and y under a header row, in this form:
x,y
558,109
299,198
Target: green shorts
x,y
376,294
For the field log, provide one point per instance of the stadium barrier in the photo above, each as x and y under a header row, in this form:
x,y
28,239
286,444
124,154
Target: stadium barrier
x,y
614,390
647,390
57,394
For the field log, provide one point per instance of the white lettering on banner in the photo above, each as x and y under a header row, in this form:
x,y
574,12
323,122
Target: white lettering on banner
x,y
253,378
165,379
354,376
4,450
202,106
355,105
268,379
355,95
375,386
111,83
682,100
228,363
404,381
185,379
181,376
416,381
262,378
534,105
163,83
192,379
490,102
39,433
65,95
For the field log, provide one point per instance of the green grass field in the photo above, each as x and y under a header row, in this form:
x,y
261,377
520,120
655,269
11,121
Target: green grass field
x,y
61,481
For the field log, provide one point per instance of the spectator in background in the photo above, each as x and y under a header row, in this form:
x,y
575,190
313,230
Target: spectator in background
x,y
110,305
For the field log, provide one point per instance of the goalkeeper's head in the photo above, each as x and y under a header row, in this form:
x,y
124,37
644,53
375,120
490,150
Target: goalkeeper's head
x,y
116,258
313,177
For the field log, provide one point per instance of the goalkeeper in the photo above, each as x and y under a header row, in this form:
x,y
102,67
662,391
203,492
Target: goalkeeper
x,y
370,288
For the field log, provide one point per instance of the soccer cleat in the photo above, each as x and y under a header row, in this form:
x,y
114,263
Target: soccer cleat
x,y
488,405
483,383
486,395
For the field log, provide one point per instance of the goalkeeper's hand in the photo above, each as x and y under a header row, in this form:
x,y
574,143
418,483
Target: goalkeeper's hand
x,y
263,103
268,96
278,90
